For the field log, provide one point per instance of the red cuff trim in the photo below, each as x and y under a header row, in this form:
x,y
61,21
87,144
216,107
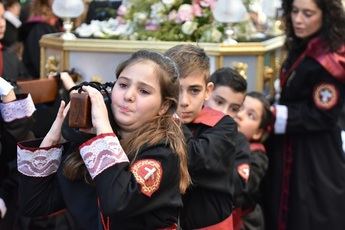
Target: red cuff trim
x,y
23,146
100,136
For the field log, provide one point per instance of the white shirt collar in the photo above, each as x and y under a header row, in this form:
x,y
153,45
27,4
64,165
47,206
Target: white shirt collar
x,y
12,19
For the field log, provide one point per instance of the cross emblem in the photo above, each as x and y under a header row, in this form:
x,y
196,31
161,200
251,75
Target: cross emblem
x,y
149,173
326,95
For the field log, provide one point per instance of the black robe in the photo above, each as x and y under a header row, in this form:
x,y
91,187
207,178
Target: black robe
x,y
211,152
306,177
10,134
115,188
14,69
30,34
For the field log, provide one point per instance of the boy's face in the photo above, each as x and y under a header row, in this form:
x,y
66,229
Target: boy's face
x,y
249,118
193,92
226,100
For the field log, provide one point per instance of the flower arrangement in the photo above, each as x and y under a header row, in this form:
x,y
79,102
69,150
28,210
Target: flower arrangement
x,y
164,20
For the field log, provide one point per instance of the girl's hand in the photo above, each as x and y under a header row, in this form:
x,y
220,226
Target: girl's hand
x,y
6,91
53,137
67,80
3,208
99,112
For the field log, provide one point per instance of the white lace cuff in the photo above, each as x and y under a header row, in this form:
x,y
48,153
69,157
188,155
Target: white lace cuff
x,y
281,119
17,109
102,152
38,162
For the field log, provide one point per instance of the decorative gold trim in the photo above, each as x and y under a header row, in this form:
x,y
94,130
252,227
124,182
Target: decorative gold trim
x,y
126,46
219,51
42,62
241,68
260,72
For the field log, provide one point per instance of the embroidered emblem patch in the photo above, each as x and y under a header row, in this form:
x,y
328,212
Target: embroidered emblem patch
x,y
148,174
325,96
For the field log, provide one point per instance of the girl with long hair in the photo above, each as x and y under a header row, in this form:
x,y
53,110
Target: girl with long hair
x,y
128,177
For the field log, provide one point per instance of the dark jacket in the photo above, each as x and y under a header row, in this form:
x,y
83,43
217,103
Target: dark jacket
x,y
117,190
211,151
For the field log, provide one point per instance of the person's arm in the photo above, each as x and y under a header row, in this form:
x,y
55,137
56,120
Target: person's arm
x,y
67,80
38,162
16,112
39,190
318,111
258,168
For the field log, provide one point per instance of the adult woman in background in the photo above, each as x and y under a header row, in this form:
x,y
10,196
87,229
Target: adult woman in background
x,y
306,182
41,21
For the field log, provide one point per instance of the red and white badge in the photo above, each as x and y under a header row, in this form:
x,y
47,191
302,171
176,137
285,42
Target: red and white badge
x,y
148,174
325,96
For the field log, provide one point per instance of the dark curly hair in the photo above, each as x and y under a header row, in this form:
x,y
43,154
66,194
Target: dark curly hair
x,y
333,26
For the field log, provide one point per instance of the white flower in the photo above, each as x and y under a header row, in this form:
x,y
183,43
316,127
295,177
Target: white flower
x,y
211,35
189,27
216,35
140,17
168,2
157,8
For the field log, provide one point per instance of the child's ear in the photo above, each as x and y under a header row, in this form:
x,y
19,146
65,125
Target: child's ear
x,y
258,135
209,89
164,108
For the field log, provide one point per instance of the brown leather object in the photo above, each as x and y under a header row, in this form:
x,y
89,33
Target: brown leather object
x,y
42,90
80,111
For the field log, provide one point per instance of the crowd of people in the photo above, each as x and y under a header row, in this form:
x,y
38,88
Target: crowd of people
x,y
173,146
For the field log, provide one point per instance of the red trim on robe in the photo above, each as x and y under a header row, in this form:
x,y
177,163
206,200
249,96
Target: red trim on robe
x,y
209,117
257,147
333,62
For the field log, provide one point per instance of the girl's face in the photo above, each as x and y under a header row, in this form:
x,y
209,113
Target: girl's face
x,y
136,96
2,21
306,18
249,118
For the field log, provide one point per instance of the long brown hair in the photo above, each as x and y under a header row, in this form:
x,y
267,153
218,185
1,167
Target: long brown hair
x,y
43,9
161,129
333,18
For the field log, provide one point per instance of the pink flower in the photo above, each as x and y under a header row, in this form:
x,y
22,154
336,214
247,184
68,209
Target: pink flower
x,y
152,26
122,10
120,19
185,13
197,10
